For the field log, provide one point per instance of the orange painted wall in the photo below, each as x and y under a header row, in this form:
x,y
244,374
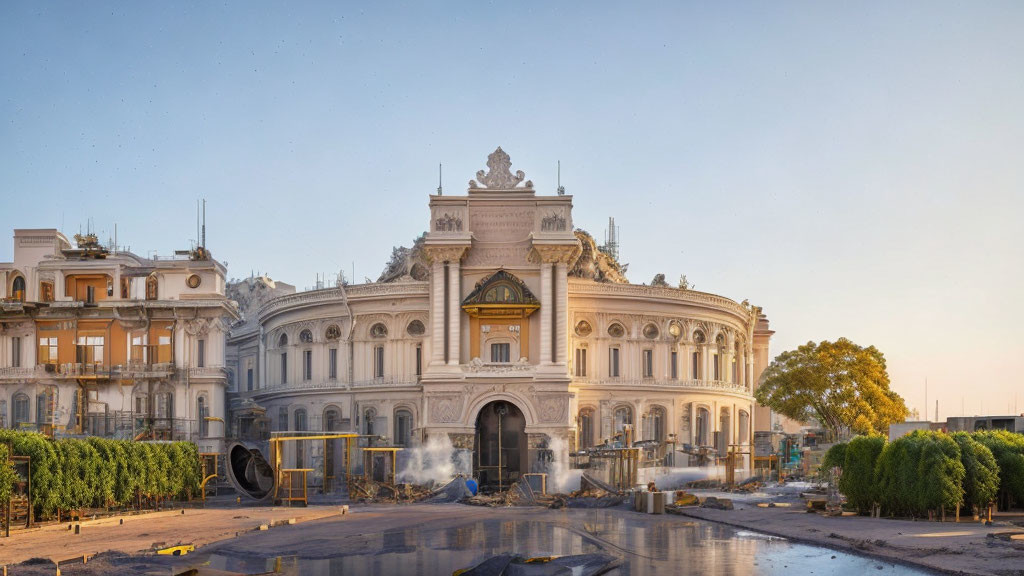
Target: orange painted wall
x,y
77,285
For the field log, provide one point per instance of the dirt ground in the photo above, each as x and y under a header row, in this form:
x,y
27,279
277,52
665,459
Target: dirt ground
x,y
143,533
965,547
440,538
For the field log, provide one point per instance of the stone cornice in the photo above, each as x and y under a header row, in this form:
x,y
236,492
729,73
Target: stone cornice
x,y
578,287
560,253
445,252
341,295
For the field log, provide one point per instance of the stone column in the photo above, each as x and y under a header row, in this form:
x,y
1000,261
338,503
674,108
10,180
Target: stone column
x,y
437,320
750,375
454,312
562,310
546,299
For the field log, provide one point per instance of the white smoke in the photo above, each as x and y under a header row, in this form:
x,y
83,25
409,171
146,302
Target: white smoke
x,y
676,478
435,462
561,478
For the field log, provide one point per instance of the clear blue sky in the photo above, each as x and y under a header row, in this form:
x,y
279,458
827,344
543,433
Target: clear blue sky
x,y
854,168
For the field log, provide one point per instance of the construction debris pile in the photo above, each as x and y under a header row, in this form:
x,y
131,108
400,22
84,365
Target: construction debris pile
x,y
748,486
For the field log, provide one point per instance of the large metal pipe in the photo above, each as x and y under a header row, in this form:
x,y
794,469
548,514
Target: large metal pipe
x,y
249,471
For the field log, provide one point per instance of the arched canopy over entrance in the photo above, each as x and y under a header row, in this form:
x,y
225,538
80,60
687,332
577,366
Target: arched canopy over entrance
x,y
499,447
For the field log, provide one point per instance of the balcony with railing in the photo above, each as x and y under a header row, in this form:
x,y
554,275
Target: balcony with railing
x,y
681,385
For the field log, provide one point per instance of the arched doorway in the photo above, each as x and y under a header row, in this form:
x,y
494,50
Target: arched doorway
x,y
499,450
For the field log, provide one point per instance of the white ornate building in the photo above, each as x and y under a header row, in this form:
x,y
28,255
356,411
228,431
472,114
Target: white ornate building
x,y
503,308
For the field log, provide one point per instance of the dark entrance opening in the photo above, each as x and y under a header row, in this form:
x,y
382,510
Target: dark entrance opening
x,y
499,449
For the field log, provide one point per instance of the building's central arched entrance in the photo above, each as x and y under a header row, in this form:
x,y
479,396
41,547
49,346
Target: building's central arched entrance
x,y
500,449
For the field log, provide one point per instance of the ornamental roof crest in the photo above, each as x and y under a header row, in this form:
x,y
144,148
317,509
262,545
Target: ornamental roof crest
x,y
499,174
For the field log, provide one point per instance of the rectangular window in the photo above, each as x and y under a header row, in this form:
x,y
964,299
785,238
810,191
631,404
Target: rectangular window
x,y
613,362
90,294
16,351
307,365
201,353
89,350
581,362
378,361
675,364
648,363
248,380
500,352
717,375
163,351
332,363
419,360
696,366
282,418
47,350
284,367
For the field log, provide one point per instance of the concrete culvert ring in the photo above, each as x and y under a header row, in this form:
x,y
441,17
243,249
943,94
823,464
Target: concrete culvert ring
x,y
249,472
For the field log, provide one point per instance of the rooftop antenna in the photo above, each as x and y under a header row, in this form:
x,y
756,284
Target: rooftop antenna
x,y
197,223
440,191
936,410
611,239
561,189
204,223
115,238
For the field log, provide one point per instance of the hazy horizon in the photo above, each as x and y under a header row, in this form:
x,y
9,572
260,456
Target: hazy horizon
x,y
854,170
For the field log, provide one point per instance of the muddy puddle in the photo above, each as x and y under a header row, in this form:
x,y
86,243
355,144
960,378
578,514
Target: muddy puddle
x,y
642,544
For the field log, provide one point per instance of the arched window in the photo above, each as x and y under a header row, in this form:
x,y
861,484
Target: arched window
x,y
586,428
651,331
282,341
202,411
744,428
698,337
378,330
306,337
369,415
333,332
583,329
165,404
151,287
416,328
654,424
616,330
725,430
502,293
300,446
332,420
403,427
18,288
623,416
19,410
703,427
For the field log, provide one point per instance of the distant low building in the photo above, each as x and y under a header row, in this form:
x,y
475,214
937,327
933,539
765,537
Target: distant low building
x,y
960,424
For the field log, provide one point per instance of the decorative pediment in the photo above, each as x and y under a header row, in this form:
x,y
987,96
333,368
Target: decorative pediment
x,y
499,174
500,294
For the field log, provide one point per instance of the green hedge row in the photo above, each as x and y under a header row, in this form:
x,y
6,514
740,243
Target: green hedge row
x,y
929,471
97,473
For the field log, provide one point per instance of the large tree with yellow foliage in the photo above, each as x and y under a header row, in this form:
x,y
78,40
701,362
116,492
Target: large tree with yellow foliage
x,y
842,385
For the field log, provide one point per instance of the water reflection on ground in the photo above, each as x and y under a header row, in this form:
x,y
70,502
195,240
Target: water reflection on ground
x,y
645,545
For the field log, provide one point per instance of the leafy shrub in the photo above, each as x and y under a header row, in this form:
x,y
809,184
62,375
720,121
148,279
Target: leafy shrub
x,y
1008,450
835,457
940,473
73,473
981,482
7,476
858,479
